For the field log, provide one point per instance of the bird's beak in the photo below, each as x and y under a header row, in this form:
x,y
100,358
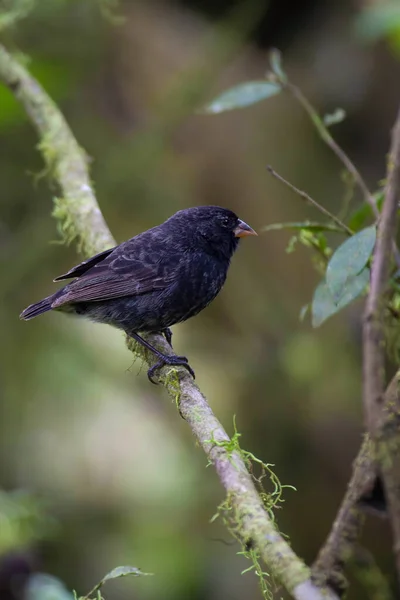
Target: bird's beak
x,y
243,229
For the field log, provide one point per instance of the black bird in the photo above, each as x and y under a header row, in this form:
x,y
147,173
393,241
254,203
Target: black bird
x,y
154,280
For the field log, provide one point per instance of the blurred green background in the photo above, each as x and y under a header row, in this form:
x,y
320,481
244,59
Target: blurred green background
x,y
116,473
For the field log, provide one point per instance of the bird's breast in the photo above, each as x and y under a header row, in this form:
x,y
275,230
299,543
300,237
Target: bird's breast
x,y
198,285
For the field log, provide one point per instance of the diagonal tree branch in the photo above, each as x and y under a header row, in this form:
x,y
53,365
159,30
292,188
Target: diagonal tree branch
x,y
81,218
307,198
373,331
338,547
383,421
380,451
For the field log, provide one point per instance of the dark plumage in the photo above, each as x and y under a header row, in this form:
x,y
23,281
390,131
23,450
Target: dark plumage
x,y
154,280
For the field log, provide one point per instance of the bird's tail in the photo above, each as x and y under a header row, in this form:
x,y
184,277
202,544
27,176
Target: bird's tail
x,y
37,309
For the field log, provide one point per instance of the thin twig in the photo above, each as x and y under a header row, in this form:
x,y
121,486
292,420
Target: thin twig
x,y
383,423
311,201
84,218
326,136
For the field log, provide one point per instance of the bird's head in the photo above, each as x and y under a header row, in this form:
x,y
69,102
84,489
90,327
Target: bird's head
x,y
215,229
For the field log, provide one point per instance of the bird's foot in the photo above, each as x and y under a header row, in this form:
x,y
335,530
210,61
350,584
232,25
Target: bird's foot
x,y
163,359
168,335
174,360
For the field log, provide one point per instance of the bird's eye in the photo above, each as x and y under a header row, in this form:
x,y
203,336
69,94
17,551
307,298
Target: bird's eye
x,y
225,221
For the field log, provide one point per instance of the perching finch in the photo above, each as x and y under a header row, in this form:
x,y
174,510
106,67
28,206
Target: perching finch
x,y
158,278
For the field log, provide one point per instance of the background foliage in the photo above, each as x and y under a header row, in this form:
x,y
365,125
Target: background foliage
x,y
102,471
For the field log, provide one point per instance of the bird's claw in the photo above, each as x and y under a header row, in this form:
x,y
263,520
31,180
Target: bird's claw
x,y
174,360
168,335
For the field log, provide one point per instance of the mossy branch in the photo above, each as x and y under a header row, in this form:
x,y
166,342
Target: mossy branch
x,y
77,210
81,219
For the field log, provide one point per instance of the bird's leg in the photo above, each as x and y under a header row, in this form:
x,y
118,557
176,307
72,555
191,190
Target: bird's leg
x,y
168,335
164,359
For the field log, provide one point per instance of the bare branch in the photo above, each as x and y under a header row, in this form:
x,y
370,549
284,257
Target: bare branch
x,y
374,335
326,136
80,212
346,528
383,421
341,541
311,201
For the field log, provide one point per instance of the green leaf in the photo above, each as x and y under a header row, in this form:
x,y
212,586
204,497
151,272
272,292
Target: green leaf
x,y
348,260
115,574
355,286
309,225
323,305
10,16
360,216
378,21
363,213
334,118
123,572
242,95
379,198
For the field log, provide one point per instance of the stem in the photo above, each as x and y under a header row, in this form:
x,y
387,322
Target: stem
x,y
325,135
311,201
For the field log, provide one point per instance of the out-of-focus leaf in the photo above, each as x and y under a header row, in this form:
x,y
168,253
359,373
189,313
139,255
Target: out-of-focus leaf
x,y
242,95
334,118
45,587
11,12
275,59
378,20
363,213
349,260
23,520
379,198
360,216
323,305
309,225
304,311
109,9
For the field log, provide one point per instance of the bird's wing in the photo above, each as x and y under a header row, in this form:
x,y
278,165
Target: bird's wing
x,y
85,265
123,272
